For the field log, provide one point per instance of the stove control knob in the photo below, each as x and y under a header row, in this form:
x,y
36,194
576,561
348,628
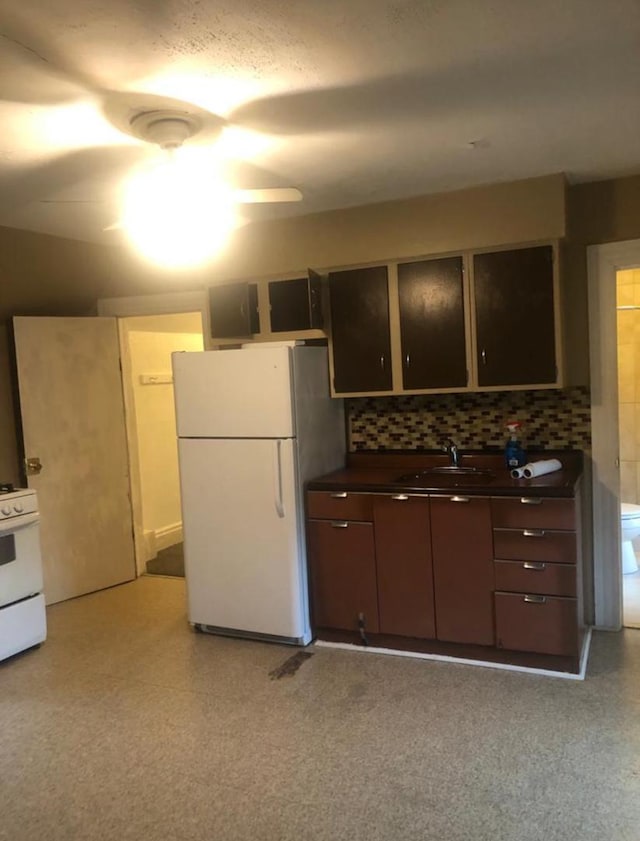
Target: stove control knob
x,y
18,508
6,510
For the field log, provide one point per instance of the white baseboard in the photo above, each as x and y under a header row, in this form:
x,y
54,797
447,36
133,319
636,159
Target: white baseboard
x,y
150,546
162,538
509,667
168,536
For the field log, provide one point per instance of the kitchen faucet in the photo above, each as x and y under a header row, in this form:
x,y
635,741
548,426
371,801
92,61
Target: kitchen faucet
x,y
450,447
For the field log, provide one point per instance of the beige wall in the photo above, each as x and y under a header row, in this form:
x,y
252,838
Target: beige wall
x,y
514,212
605,211
599,212
628,294
47,275
151,341
44,275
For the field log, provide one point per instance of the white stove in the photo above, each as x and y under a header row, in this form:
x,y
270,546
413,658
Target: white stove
x,y
22,611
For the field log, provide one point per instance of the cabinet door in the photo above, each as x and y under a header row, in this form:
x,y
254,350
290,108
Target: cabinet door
x,y
234,310
405,571
360,339
432,329
463,569
295,304
342,568
515,320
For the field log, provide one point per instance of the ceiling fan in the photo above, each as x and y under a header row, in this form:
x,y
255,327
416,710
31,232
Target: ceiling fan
x,y
36,72
168,125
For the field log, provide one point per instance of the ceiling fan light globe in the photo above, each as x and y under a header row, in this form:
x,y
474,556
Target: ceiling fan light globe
x,y
177,217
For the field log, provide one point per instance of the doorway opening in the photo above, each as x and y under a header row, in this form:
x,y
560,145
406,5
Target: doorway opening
x,y
147,342
628,348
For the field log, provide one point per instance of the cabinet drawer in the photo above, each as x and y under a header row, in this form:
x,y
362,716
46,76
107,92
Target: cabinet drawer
x,y
554,547
543,624
536,577
529,512
339,505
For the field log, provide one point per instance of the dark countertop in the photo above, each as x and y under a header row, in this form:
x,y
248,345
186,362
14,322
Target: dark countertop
x,y
381,472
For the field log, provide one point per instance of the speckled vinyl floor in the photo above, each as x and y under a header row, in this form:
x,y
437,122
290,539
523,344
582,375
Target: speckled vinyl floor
x,y
126,725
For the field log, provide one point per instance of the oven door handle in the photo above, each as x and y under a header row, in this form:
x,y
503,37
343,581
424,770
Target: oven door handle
x,y
19,522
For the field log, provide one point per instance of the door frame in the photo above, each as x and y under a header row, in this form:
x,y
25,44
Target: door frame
x,y
168,303
603,261
164,303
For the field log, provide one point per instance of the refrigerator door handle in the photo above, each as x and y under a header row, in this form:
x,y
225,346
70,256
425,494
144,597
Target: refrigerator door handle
x,y
278,479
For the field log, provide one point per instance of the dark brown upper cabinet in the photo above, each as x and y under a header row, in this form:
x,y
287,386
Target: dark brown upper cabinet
x,y
360,337
432,324
233,310
515,317
295,304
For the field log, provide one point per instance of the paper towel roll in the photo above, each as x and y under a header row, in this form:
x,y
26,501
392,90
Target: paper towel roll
x,y
517,473
540,468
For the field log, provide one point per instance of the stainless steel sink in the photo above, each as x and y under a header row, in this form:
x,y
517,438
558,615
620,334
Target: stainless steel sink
x,y
446,473
455,470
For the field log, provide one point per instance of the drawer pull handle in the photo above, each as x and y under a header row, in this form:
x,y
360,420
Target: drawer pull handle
x,y
341,495
533,565
400,497
531,500
533,533
460,499
535,599
339,524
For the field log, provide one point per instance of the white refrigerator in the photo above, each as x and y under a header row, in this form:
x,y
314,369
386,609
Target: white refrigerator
x,y
253,426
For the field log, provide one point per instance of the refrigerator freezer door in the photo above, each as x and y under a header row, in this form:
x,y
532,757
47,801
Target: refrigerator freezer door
x,y
244,561
234,393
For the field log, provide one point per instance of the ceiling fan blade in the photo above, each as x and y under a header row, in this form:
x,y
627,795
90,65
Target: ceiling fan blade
x,y
99,165
358,105
269,194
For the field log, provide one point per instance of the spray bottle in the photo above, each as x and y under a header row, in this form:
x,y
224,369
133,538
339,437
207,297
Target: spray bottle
x,y
514,453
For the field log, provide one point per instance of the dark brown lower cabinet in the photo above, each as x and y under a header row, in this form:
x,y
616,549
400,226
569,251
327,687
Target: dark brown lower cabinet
x,y
405,571
446,568
543,624
342,566
462,544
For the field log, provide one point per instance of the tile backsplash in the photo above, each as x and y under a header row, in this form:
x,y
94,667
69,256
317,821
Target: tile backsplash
x,y
551,419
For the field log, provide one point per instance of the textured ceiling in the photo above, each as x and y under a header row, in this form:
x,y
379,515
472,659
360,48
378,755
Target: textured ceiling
x,y
352,101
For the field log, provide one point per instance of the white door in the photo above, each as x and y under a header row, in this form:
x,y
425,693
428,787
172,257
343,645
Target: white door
x,y
242,537
71,405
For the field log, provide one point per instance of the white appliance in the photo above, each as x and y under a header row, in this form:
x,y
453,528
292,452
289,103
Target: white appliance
x,y
22,612
253,425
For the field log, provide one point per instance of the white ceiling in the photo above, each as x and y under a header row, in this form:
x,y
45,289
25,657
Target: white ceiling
x,y
352,101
